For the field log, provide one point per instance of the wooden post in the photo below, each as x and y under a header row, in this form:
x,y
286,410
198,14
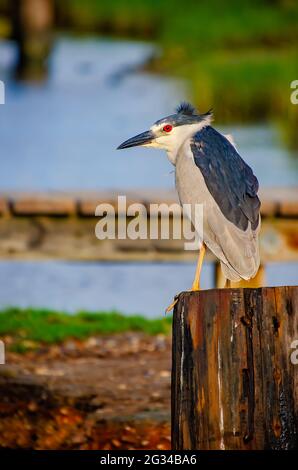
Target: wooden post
x,y
234,377
258,281
32,21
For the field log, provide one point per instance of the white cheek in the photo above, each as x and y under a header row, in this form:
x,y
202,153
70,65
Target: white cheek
x,y
161,142
153,144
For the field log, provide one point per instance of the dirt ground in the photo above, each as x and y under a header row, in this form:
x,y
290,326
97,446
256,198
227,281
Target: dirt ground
x,y
104,393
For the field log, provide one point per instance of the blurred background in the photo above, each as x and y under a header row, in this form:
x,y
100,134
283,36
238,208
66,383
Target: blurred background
x,y
83,75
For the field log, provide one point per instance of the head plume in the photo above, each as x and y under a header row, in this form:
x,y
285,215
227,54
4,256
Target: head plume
x,y
187,109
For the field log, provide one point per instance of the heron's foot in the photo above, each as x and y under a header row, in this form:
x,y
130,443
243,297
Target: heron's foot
x,y
172,305
194,288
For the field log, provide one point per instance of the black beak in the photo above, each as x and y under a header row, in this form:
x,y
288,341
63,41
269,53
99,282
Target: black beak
x,y
140,139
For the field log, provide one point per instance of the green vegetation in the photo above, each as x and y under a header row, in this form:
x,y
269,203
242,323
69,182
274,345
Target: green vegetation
x,y
29,326
240,57
194,25
206,24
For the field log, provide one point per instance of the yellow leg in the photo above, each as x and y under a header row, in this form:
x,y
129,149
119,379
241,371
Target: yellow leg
x,y
228,284
196,282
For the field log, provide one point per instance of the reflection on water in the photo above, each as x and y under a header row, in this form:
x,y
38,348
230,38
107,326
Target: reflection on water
x,y
63,134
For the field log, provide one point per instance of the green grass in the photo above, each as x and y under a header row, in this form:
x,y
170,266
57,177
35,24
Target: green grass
x,y
29,326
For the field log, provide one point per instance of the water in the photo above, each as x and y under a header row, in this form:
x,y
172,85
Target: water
x,y
62,135
128,288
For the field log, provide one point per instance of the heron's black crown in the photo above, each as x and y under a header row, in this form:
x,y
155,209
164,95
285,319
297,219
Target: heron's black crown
x,y
185,114
187,109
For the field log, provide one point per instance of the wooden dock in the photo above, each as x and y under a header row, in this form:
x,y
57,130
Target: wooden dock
x,y
61,225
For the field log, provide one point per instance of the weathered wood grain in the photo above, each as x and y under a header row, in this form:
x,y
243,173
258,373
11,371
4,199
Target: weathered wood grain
x,y
234,385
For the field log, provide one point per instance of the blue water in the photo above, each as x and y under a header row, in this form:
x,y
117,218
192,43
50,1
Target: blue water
x,y
130,288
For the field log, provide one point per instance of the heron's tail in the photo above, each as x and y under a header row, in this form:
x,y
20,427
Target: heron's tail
x,y
246,265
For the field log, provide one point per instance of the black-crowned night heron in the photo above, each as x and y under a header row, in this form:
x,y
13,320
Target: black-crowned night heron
x,y
210,171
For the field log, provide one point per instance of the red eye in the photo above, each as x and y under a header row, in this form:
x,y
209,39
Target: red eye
x,y
167,128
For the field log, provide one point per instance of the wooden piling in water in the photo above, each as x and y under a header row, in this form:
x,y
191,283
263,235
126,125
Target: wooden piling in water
x,y
234,376
32,25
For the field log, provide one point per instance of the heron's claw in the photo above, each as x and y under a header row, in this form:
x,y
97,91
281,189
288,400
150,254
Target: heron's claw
x,y
170,307
195,288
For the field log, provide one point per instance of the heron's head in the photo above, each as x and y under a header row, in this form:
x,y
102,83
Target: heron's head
x,y
170,132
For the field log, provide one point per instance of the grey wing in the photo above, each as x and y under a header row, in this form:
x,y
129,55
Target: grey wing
x,y
229,179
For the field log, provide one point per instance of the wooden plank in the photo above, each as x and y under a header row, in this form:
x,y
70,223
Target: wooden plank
x,y
29,228
44,204
233,383
276,202
72,237
279,201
